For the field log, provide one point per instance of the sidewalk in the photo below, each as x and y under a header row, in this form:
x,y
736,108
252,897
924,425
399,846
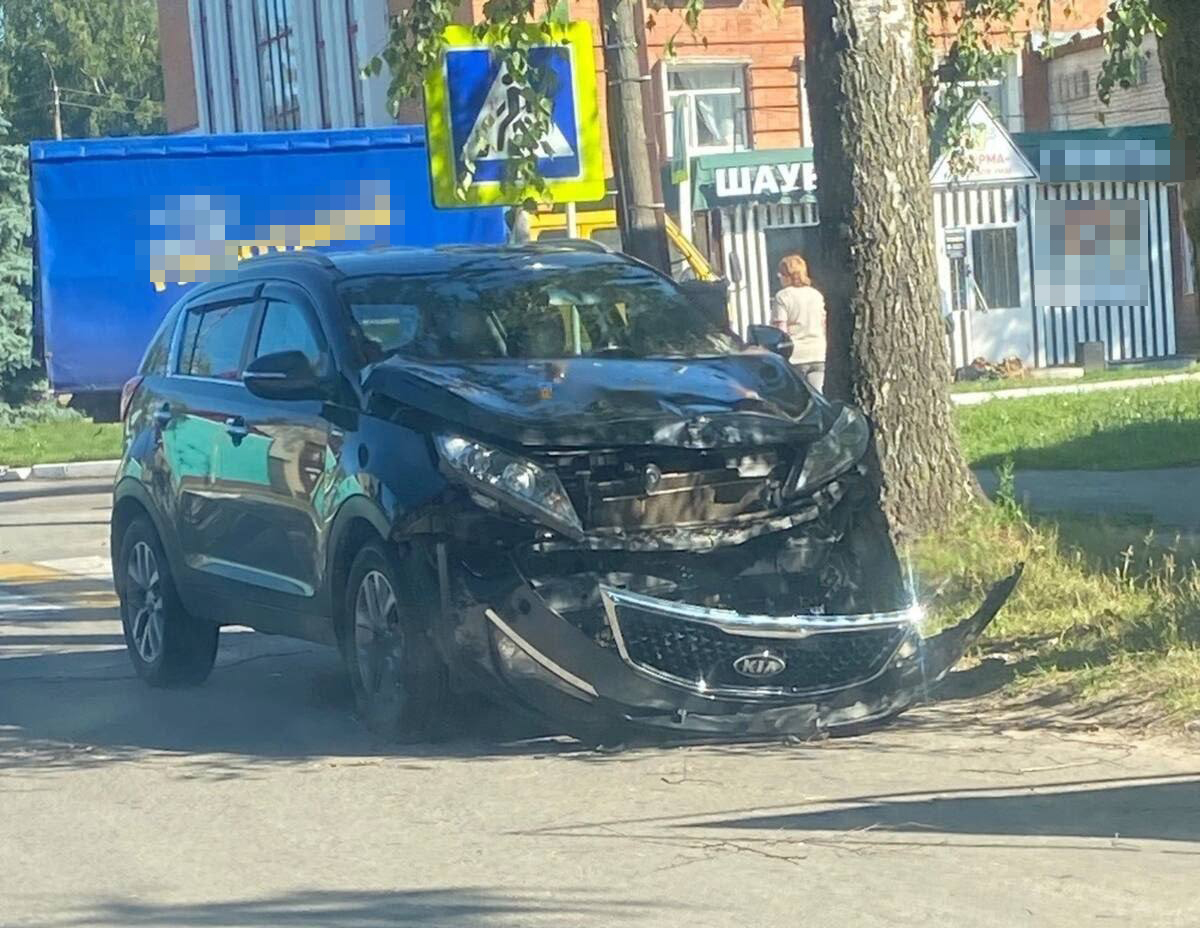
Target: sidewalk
x,y
1170,497
982,396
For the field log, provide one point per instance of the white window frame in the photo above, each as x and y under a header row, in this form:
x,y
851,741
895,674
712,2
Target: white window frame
x,y
669,97
974,287
1009,86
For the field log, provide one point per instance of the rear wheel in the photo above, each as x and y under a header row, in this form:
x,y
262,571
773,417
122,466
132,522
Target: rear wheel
x,y
167,645
399,680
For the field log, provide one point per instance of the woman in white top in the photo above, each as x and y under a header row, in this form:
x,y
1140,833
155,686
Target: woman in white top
x,y
799,309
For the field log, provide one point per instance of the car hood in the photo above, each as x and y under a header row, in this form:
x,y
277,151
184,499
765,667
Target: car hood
x,y
752,398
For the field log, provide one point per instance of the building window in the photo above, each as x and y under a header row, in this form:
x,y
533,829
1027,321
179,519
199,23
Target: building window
x,y
276,64
994,253
1074,86
322,87
1143,72
205,67
356,87
714,100
233,75
1001,95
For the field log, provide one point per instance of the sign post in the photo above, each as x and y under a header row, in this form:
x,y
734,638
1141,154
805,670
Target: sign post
x,y
472,103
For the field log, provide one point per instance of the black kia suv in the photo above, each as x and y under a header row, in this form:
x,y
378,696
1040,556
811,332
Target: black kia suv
x,y
545,472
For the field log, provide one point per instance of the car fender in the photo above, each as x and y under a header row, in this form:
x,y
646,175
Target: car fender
x,y
129,487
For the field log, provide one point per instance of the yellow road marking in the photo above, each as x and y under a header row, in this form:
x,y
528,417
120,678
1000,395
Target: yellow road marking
x,y
28,573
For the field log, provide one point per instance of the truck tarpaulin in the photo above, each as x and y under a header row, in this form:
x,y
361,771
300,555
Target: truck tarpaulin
x,y
124,226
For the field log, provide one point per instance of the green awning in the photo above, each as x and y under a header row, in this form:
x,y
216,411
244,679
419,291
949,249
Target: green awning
x,y
777,175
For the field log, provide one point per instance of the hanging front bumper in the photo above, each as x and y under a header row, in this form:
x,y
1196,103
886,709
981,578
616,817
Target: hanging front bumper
x,y
679,667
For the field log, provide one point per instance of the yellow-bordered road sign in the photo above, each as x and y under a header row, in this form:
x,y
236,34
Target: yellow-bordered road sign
x,y
471,102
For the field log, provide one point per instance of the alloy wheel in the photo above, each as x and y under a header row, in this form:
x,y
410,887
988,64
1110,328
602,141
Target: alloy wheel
x,y
143,597
376,633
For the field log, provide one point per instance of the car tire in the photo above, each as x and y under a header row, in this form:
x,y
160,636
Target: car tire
x,y
400,681
167,645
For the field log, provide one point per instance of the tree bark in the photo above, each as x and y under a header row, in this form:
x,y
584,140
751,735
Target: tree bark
x,y
642,230
1179,52
888,349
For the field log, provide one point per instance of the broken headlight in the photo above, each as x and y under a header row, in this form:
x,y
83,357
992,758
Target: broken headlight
x,y
835,452
515,481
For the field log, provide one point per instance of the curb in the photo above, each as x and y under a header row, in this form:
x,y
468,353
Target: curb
x,y
72,470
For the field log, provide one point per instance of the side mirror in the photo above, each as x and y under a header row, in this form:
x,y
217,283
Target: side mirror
x,y
771,338
284,375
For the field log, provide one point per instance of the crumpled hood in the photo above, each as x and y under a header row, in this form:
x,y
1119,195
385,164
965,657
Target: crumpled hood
x,y
752,398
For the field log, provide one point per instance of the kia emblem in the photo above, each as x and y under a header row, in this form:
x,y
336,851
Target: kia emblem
x,y
760,665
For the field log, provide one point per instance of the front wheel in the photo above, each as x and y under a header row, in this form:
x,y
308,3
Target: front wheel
x,y
167,645
400,682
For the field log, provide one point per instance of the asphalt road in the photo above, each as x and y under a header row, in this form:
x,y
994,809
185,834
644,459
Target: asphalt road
x,y
257,800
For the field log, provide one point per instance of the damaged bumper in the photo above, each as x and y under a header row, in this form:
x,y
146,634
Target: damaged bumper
x,y
671,666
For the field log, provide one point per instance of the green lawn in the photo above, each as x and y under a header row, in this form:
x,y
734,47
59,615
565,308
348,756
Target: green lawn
x,y
1105,613
1111,430
51,442
1118,373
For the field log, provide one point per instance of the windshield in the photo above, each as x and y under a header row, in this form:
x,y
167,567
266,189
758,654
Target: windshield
x,y
546,312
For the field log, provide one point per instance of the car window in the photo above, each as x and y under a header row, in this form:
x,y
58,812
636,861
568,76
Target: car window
x,y
155,361
213,339
540,311
286,327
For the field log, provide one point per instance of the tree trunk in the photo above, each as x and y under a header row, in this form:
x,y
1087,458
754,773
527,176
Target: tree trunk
x,y
887,342
642,230
1179,52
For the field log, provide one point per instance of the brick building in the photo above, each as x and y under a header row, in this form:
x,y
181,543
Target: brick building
x,y
255,65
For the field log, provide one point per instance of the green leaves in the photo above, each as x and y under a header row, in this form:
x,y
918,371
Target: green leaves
x,y
16,266
416,45
104,56
1125,26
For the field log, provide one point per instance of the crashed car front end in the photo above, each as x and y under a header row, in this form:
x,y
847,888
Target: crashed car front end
x,y
729,583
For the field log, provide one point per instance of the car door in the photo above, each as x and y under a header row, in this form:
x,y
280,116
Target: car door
x,y
288,458
201,401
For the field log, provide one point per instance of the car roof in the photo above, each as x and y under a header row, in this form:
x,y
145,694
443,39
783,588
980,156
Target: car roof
x,y
445,259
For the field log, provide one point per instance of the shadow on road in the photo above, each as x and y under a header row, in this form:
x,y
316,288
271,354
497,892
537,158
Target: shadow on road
x,y
363,909
1164,810
69,698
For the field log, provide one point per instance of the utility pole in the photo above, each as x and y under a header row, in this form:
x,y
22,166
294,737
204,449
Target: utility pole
x,y
56,96
642,229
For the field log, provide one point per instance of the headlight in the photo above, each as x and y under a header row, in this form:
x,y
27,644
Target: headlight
x,y
513,480
835,452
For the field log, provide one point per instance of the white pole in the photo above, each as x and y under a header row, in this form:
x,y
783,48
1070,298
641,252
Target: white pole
x,y
572,221
685,207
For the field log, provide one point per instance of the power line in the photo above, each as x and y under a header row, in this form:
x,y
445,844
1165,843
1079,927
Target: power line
x,y
88,106
107,96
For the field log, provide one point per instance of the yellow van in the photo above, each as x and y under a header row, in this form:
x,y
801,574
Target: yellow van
x,y
600,225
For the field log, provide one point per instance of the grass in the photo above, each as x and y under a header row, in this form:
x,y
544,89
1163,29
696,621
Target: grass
x,y
1114,430
1106,612
1117,373
64,440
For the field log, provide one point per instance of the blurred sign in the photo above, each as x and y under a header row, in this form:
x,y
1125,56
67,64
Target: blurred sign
x,y
956,243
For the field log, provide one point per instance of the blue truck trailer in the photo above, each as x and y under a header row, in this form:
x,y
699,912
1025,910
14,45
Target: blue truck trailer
x,y
123,226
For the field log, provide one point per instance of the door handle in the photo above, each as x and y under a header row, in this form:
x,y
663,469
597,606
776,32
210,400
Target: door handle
x,y
163,414
236,427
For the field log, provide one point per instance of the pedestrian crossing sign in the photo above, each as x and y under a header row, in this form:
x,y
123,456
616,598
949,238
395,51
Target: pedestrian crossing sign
x,y
472,103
